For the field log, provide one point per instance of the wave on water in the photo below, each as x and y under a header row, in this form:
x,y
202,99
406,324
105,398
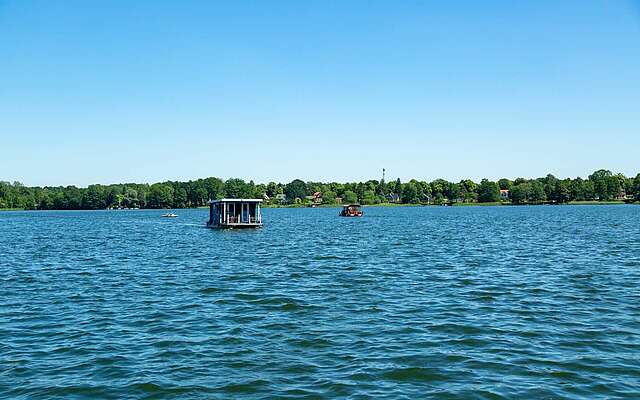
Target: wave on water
x,y
411,302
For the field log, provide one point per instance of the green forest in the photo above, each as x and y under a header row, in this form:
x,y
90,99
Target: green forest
x,y
601,185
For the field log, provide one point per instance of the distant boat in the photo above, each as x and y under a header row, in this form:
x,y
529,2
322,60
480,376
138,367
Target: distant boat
x,y
169,215
351,210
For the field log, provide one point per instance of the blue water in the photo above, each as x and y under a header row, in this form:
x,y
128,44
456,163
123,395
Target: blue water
x,y
444,302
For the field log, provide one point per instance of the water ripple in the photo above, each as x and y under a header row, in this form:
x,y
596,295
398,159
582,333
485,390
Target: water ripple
x,y
485,303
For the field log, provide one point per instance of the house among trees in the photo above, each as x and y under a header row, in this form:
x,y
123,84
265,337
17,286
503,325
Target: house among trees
x,y
504,194
622,195
281,198
315,198
393,198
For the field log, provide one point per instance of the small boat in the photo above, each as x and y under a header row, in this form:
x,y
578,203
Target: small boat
x,y
169,215
351,210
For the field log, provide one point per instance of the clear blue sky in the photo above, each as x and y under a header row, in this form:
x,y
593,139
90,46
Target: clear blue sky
x,y
121,91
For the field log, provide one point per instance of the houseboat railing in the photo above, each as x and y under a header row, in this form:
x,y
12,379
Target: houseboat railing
x,y
236,220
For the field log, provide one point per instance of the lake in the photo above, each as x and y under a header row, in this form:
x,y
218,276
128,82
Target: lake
x,y
406,302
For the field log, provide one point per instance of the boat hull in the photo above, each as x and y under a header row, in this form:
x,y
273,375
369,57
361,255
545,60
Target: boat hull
x,y
352,215
233,226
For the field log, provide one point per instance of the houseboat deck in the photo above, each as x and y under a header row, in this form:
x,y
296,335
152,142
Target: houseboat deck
x,y
235,213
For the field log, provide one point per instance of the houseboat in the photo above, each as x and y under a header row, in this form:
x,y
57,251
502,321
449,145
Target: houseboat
x,y
351,210
235,213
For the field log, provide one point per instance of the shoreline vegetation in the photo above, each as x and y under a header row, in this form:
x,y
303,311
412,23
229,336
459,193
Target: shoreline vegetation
x,y
471,204
475,204
601,187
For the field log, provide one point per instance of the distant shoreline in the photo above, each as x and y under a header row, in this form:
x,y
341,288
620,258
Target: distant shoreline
x,y
492,204
601,187
474,204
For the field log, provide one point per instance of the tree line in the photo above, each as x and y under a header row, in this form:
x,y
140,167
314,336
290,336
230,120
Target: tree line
x,y
601,185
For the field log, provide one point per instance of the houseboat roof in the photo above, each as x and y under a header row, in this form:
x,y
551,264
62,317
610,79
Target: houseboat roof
x,y
235,201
